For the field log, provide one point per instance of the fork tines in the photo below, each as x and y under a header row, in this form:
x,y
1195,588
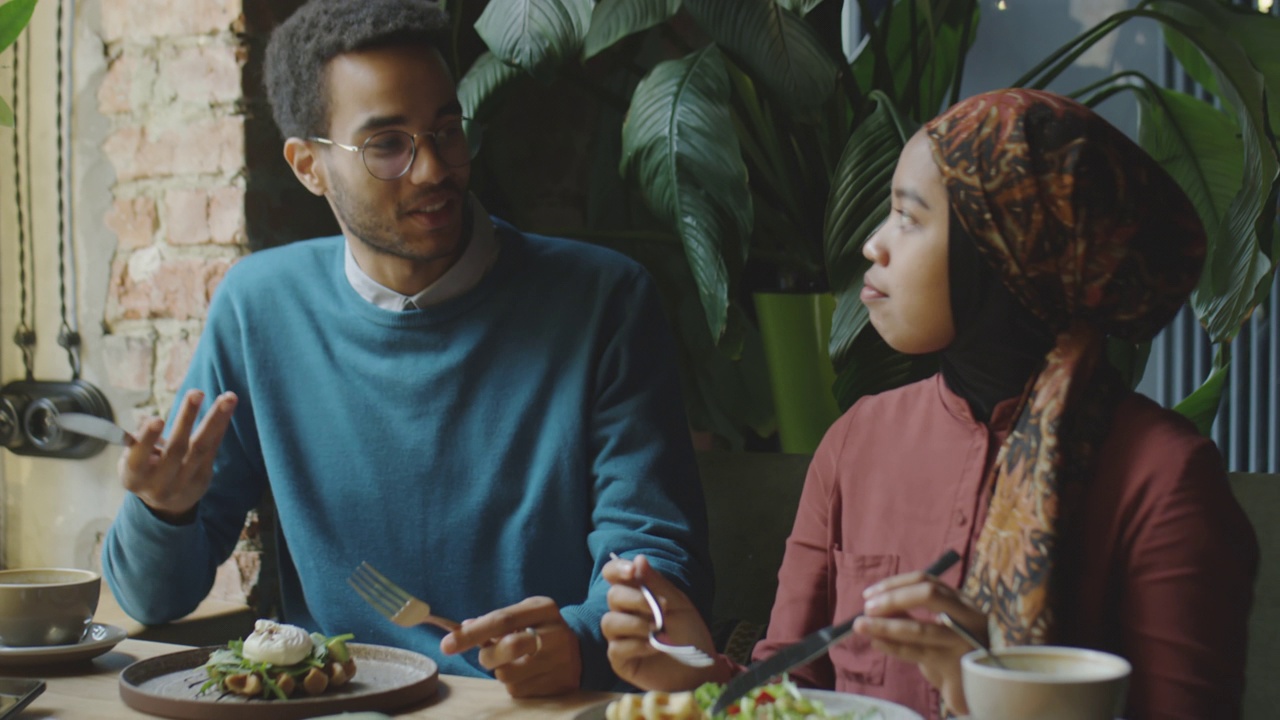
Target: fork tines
x,y
385,596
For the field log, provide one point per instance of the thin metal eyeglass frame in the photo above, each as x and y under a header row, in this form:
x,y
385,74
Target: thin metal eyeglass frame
x,y
413,149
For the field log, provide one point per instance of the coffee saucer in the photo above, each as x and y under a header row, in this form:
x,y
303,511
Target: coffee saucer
x,y
97,641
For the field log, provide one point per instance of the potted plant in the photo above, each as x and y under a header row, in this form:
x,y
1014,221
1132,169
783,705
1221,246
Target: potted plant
x,y
14,16
764,152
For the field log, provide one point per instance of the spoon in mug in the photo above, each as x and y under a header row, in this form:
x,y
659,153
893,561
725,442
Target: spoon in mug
x,y
969,637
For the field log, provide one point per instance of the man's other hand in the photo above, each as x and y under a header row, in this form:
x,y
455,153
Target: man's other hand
x,y
528,646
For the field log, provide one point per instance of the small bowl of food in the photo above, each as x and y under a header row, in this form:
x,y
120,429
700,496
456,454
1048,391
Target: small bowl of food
x,y
47,606
1045,683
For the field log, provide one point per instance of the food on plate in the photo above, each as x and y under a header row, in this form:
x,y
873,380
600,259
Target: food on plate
x,y
279,660
654,705
778,701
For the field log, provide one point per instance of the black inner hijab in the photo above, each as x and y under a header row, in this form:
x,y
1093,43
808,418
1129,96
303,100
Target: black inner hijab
x,y
999,343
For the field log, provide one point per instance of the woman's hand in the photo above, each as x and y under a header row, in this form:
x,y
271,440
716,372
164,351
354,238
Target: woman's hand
x,y
626,626
900,620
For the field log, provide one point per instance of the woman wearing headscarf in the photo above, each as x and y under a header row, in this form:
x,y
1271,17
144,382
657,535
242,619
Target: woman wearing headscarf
x,y
1025,231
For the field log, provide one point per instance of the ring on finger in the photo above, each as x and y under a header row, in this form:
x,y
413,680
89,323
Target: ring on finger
x,y
537,640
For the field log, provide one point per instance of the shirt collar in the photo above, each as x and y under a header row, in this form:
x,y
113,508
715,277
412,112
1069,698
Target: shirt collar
x,y
482,250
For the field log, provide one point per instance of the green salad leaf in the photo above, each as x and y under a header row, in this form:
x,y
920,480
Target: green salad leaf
x,y
228,661
777,701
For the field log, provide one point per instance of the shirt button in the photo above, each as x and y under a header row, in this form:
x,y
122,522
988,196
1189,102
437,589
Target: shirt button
x,y
961,518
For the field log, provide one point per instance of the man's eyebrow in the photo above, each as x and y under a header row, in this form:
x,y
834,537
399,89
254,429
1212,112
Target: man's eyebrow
x,y
912,195
382,122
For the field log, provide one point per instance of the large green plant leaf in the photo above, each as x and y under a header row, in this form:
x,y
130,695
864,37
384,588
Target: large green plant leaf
x,y
857,204
799,7
1203,151
6,114
1201,148
775,45
1201,406
479,90
679,142
14,16
733,389
535,35
726,393
613,20
919,52
1235,267
1257,33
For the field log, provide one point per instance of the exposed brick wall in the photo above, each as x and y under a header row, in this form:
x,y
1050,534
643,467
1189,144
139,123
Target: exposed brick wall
x,y
176,94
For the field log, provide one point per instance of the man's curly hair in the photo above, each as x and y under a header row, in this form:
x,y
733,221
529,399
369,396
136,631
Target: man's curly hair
x,y
302,46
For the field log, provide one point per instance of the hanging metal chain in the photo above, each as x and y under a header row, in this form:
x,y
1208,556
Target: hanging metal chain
x,y
25,335
68,337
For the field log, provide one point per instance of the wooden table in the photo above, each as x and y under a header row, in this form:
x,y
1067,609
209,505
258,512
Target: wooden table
x,y
91,691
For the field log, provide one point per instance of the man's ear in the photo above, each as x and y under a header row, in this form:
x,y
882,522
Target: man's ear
x,y
301,156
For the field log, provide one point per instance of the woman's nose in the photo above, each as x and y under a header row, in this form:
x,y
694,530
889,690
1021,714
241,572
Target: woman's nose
x,y
873,248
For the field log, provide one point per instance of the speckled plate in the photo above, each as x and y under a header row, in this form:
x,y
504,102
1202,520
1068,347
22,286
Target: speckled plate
x,y
169,686
97,641
836,704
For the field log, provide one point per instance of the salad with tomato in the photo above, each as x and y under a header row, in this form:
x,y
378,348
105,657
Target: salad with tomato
x,y
777,701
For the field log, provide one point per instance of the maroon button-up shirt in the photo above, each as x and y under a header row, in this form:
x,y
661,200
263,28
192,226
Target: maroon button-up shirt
x,y
1168,558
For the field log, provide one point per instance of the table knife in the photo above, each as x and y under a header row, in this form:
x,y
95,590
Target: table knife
x,y
94,427
802,653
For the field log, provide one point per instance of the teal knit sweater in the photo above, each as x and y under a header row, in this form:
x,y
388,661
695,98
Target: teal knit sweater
x,y
494,447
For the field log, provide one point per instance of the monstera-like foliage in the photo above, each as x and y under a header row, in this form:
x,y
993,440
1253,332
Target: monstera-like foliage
x,y
758,145
14,16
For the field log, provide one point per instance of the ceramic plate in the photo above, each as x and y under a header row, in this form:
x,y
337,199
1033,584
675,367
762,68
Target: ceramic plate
x,y
835,703
169,686
99,640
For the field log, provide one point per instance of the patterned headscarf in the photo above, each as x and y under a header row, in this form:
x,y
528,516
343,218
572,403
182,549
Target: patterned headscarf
x,y
1093,237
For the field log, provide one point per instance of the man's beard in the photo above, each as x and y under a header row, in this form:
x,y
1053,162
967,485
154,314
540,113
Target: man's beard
x,y
380,235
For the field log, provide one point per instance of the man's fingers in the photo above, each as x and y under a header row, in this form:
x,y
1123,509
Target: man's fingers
x,y
140,457
526,613
175,450
532,680
520,670
207,438
510,648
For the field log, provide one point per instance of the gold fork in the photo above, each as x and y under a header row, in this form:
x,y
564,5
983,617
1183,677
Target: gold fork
x,y
392,601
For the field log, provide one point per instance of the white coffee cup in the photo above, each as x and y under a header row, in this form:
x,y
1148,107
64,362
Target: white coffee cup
x,y
1045,683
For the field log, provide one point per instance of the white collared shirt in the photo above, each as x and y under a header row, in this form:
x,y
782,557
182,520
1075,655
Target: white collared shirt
x,y
476,260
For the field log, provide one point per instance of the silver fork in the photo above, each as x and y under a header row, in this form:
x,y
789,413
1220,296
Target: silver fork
x,y
685,654
392,601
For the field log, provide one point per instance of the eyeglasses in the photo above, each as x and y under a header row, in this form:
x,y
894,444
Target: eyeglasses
x,y
389,154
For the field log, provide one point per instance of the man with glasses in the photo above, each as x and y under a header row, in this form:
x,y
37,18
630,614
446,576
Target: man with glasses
x,y
482,414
